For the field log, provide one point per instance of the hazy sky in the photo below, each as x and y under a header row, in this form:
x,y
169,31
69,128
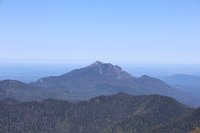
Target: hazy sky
x,y
118,31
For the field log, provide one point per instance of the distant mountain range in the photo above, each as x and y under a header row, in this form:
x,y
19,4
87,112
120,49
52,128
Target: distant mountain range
x,y
78,102
190,83
120,113
187,83
91,81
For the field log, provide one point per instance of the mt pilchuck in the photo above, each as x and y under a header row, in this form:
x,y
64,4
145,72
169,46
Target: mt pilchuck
x,y
101,78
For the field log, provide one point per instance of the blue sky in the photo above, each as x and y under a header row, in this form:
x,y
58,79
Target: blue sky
x,y
83,31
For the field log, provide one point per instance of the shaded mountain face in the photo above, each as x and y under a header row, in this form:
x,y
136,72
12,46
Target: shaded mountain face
x,y
101,78
17,90
99,115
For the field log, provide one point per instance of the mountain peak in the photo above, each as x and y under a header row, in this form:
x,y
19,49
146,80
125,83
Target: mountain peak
x,y
96,63
102,64
145,77
110,70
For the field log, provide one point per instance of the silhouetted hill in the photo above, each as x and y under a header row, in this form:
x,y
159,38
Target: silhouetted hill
x,y
100,114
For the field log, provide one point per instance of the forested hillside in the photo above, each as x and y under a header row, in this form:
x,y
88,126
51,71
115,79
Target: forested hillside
x,y
103,114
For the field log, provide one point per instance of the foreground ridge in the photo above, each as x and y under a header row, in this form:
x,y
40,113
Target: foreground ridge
x,y
103,114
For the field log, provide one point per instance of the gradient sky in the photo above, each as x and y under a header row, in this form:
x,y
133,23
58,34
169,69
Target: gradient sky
x,y
117,31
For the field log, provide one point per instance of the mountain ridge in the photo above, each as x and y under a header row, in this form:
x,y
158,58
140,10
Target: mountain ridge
x,y
95,115
18,90
89,78
97,79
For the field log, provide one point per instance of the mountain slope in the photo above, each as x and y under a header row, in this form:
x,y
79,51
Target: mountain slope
x,y
92,116
160,111
183,80
17,90
195,130
91,81
102,78
181,126
189,84
107,79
